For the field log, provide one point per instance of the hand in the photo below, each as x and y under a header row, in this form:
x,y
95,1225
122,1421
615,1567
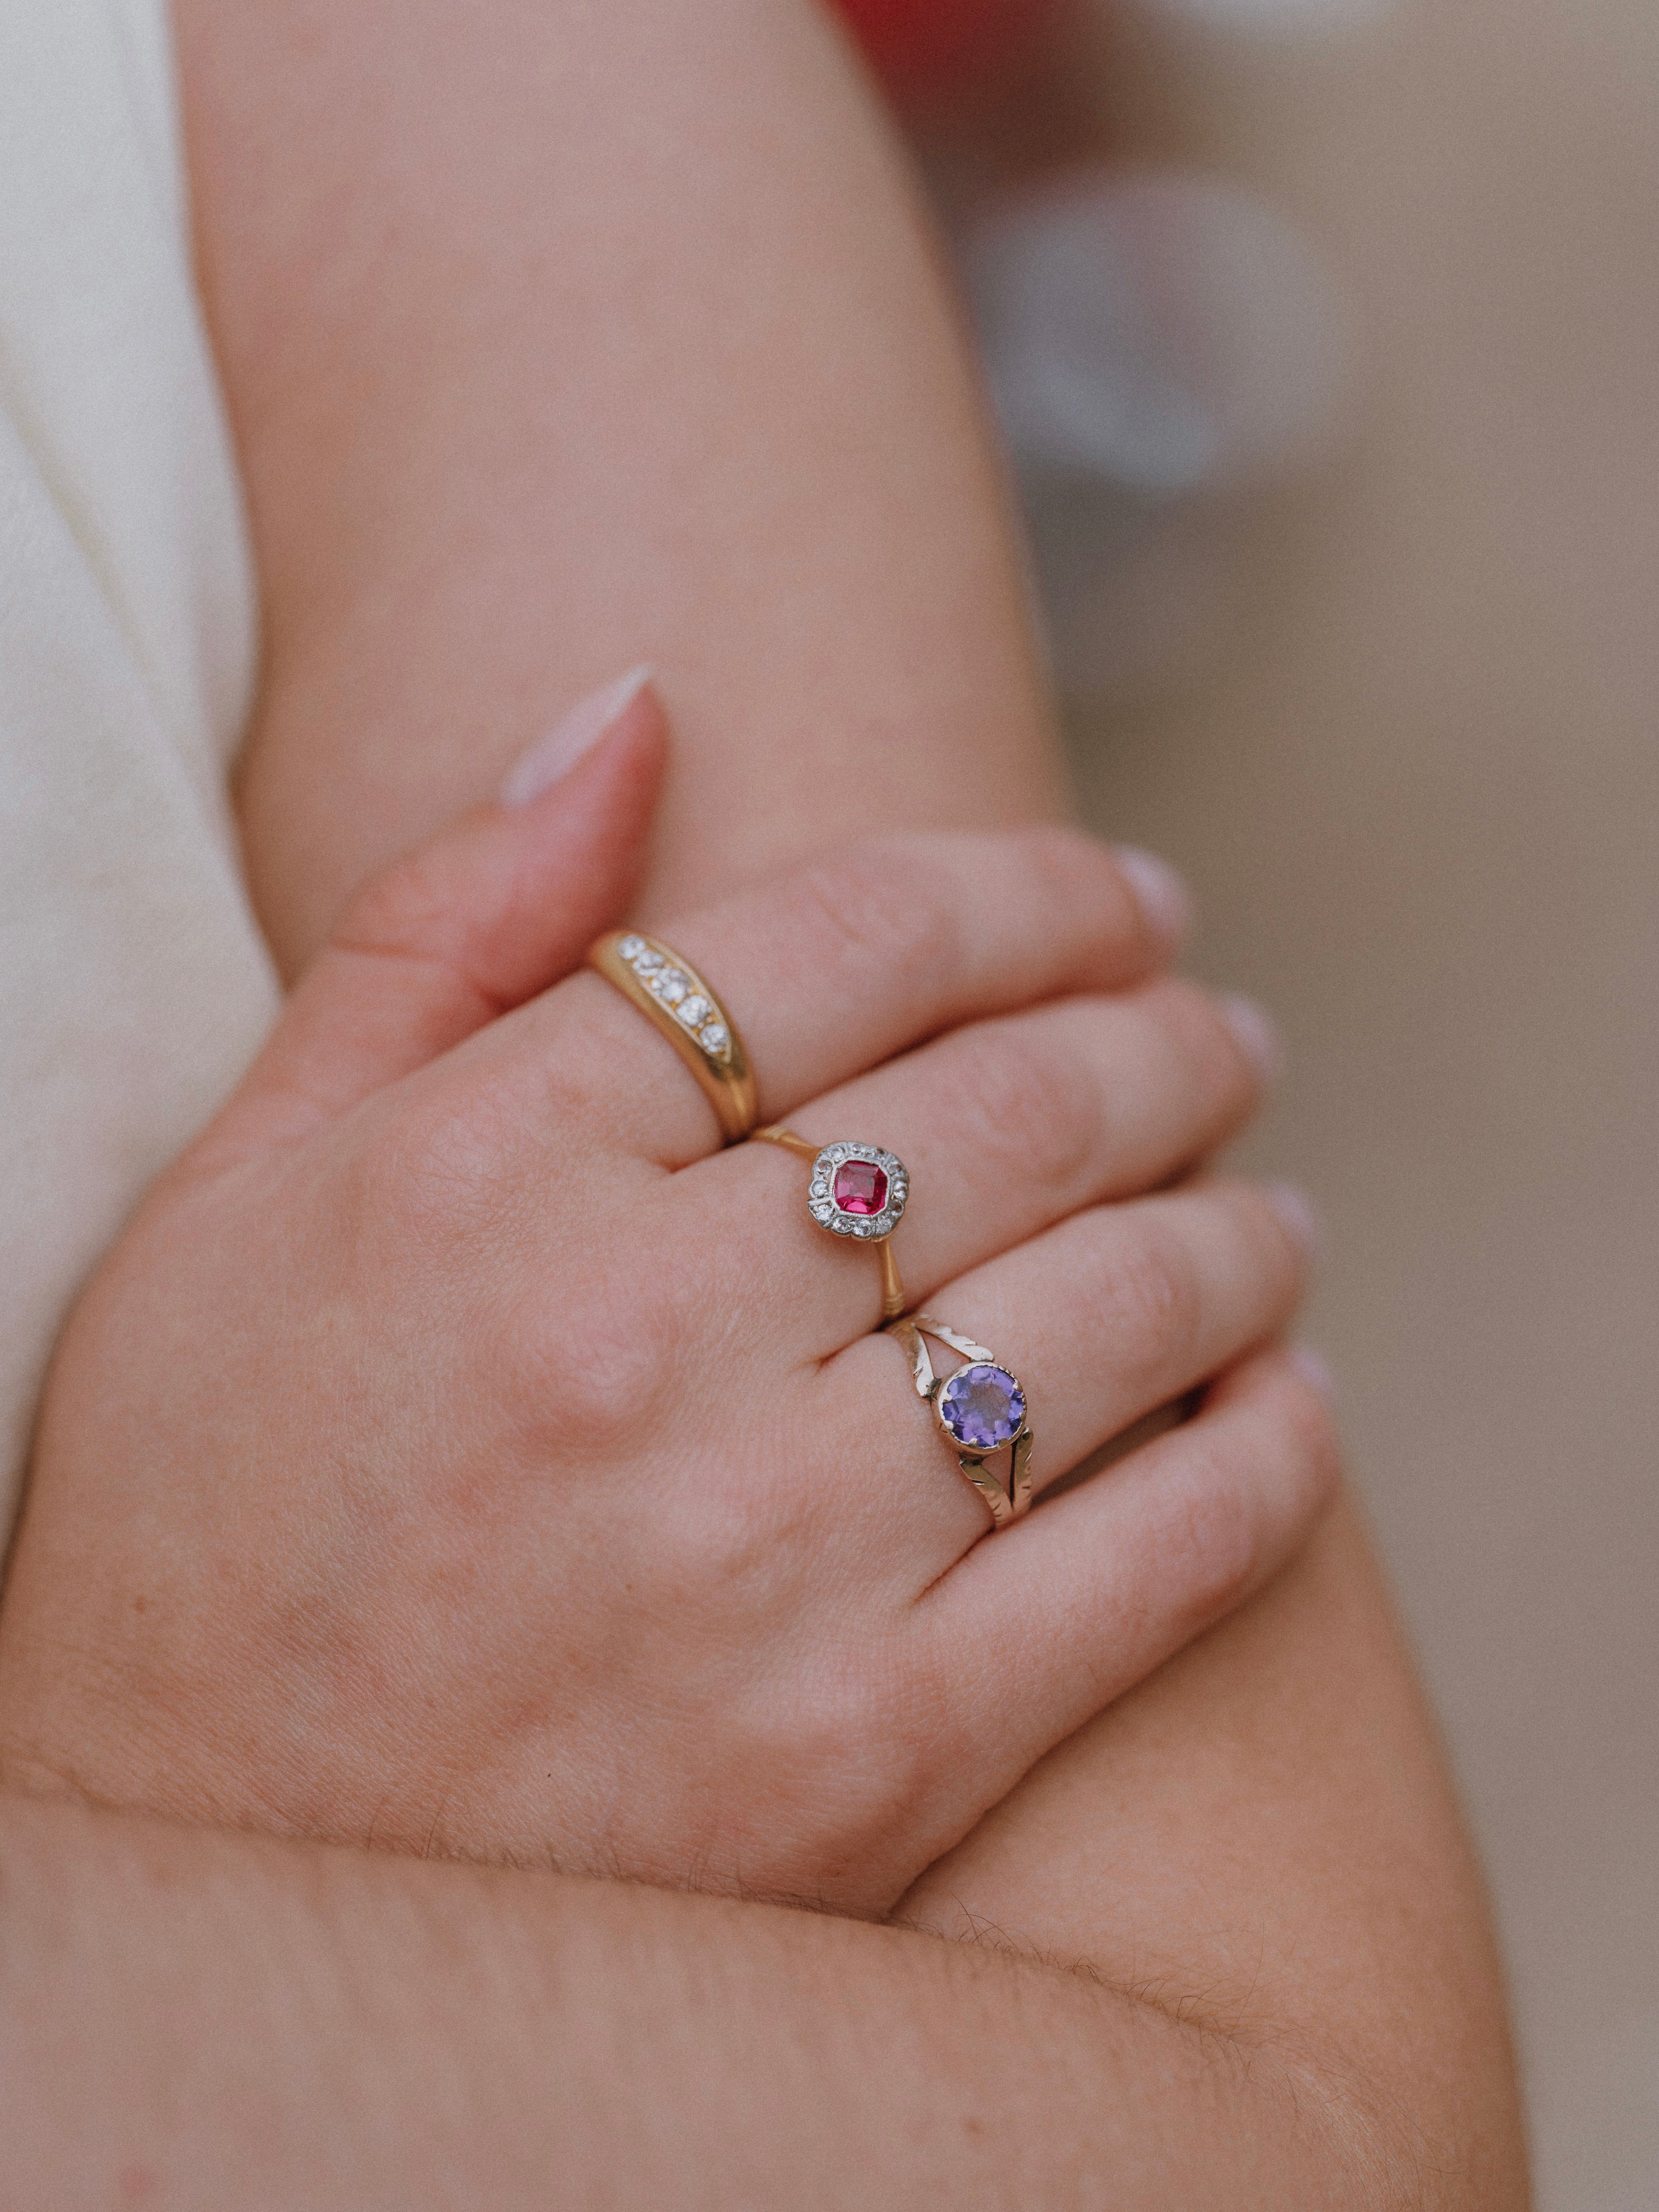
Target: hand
x,y
460,1452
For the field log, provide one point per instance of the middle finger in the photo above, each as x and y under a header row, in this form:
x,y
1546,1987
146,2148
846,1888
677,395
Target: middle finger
x,y
1005,1127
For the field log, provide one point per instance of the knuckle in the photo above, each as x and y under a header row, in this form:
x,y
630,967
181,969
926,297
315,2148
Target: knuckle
x,y
878,1700
1262,1264
1311,1449
1205,1049
1034,1109
1248,1488
1209,1540
875,908
403,910
1149,1289
1065,860
595,1371
1085,890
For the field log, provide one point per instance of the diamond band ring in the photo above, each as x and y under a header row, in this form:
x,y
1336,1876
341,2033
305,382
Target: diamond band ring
x,y
856,1191
980,1408
671,995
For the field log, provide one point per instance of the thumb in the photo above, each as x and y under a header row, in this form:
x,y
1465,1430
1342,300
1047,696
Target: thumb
x,y
493,909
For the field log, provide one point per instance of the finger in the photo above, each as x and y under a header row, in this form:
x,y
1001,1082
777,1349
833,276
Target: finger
x,y
494,908
847,960
1005,1127
1040,1629
1101,1320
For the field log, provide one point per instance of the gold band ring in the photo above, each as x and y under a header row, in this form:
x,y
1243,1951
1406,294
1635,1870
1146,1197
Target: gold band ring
x,y
670,992
980,1408
857,1191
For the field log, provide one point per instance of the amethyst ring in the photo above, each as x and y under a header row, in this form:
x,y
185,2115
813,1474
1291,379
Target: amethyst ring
x,y
980,1408
857,1191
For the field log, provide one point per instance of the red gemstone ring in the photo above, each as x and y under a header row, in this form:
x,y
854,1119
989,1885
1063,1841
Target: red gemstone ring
x,y
856,1191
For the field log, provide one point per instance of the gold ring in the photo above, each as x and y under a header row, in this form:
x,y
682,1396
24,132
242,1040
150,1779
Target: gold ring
x,y
669,992
857,1191
980,1408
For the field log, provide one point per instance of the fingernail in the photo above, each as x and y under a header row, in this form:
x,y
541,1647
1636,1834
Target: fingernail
x,y
1314,1371
1297,1215
1160,895
556,754
1257,1033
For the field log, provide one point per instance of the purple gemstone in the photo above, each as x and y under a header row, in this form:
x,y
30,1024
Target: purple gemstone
x,y
982,1407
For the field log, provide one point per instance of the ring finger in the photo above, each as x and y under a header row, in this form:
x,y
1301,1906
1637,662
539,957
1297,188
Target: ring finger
x,y
1104,1319
1004,1128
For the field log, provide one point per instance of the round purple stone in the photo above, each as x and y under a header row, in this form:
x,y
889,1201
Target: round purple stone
x,y
982,1407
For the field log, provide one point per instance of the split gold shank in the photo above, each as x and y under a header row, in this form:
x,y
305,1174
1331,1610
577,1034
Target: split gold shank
x,y
666,988
1008,1503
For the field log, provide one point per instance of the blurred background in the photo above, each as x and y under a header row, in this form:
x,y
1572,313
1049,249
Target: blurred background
x,y
1324,335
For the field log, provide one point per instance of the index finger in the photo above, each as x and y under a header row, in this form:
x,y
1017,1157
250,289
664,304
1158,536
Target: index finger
x,y
848,960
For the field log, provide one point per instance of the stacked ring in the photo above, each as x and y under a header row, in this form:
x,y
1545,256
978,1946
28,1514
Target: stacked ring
x,y
856,1191
980,1408
670,993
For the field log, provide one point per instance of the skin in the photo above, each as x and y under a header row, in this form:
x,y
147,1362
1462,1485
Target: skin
x,y
819,579
621,2047
483,1585
831,601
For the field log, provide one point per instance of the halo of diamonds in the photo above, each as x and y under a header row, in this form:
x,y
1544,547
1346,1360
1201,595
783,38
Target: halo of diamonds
x,y
821,1194
681,994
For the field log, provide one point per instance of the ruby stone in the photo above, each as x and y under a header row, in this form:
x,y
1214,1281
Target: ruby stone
x,y
860,1186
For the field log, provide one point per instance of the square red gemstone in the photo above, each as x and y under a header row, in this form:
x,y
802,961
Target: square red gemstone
x,y
860,1186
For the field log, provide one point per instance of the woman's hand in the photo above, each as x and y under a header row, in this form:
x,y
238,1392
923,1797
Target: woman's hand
x,y
461,1452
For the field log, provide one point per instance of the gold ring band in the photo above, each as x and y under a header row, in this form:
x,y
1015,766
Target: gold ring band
x,y
857,1191
980,1408
669,992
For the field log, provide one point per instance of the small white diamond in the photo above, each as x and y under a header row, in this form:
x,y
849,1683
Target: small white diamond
x,y
714,1038
647,962
822,1209
670,986
631,947
694,1011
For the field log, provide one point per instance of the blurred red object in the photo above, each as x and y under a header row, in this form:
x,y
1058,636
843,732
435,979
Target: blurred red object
x,y
942,46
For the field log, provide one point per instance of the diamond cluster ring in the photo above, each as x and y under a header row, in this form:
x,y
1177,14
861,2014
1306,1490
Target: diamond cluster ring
x,y
980,1408
856,1191
671,995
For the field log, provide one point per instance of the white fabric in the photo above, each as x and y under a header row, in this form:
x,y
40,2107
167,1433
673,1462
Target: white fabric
x,y
133,983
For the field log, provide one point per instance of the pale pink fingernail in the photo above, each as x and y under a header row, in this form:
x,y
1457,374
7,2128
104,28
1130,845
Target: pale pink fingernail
x,y
1257,1033
556,754
1160,894
1315,1371
1295,1211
